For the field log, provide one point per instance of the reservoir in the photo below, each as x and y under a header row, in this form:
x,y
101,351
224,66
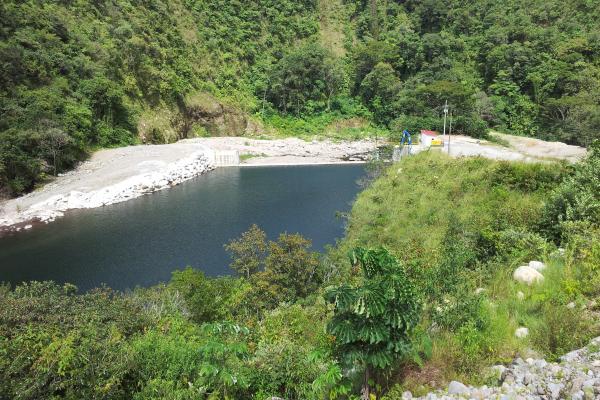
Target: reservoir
x,y
141,241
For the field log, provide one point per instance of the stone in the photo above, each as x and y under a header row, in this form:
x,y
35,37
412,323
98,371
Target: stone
x,y
537,265
576,385
479,290
497,371
527,275
458,388
528,379
521,332
520,295
571,305
588,393
555,389
577,395
407,395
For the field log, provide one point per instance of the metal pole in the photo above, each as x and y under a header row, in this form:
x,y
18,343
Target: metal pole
x,y
450,133
445,114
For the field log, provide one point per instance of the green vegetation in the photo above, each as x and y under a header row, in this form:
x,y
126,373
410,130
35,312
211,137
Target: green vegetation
x,y
437,303
461,227
86,75
372,323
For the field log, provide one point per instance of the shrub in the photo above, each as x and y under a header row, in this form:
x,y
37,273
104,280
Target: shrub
x,y
373,321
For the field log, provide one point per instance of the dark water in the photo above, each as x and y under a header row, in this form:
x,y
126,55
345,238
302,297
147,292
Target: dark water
x,y
139,242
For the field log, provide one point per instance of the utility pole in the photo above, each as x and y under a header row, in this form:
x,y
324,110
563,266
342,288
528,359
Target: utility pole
x,y
445,115
450,133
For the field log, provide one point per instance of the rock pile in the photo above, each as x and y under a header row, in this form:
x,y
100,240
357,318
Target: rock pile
x,y
135,186
576,377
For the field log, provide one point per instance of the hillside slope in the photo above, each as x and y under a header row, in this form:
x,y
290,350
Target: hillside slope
x,y
82,75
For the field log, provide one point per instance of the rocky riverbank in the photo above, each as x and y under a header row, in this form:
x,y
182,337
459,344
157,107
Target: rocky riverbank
x,y
115,175
576,377
137,185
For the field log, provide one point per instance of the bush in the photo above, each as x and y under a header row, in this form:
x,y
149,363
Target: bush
x,y
55,343
577,199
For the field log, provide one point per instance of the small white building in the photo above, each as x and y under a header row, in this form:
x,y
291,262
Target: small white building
x,y
427,137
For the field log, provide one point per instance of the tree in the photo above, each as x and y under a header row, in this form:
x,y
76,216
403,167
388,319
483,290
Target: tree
x,y
374,319
577,199
206,298
379,90
52,143
248,251
292,267
291,272
305,78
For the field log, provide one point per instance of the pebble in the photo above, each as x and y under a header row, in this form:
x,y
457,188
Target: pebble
x,y
456,387
576,377
521,332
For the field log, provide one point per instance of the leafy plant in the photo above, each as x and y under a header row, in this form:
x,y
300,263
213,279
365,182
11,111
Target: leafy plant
x,y
373,320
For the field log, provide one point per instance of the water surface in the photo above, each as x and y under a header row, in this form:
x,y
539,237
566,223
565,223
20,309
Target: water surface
x,y
141,241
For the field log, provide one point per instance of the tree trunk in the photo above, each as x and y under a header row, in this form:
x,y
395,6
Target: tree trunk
x,y
366,388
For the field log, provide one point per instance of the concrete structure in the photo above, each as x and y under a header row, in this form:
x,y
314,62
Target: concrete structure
x,y
224,158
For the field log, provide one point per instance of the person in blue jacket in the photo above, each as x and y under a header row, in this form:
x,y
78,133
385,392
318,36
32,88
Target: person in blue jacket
x,y
406,139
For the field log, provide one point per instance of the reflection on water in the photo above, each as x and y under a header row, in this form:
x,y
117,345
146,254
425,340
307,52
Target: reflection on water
x,y
141,241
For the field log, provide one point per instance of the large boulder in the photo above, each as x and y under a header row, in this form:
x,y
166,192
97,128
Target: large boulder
x,y
537,265
527,275
521,332
458,388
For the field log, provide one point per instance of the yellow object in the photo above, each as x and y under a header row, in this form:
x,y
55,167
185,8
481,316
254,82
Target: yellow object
x,y
436,142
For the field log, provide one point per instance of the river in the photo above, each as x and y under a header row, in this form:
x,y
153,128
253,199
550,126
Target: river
x,y
141,241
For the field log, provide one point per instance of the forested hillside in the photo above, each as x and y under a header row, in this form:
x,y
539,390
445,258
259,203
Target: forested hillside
x,y
528,67
80,75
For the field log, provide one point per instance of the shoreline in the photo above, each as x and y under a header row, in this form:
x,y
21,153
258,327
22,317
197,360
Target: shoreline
x,y
113,176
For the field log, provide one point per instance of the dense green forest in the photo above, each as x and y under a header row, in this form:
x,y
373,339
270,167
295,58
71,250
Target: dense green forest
x,y
418,293
80,75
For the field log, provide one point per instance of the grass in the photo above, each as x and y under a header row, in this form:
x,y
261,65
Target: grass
x,y
463,224
248,156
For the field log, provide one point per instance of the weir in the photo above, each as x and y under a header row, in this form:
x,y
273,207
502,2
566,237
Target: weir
x,y
225,158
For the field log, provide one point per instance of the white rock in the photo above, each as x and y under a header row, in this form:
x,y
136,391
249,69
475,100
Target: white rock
x,y
520,295
527,275
522,332
28,226
407,395
479,290
571,305
537,265
458,388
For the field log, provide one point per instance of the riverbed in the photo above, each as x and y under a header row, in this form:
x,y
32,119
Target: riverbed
x,y
141,241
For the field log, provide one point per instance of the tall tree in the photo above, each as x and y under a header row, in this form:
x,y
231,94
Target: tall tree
x,y
248,251
374,319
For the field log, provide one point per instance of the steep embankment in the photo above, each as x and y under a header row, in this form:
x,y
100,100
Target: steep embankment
x,y
462,228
